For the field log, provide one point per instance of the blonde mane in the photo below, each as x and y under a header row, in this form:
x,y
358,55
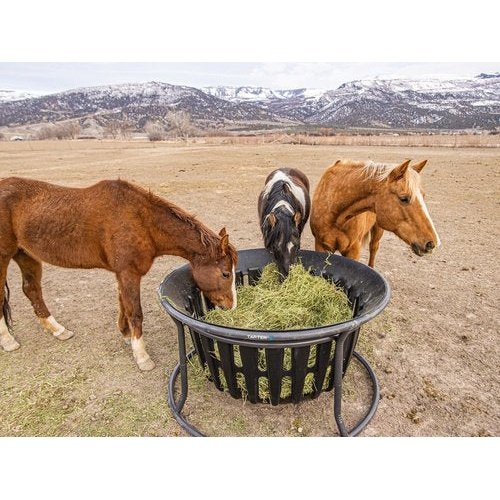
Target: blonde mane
x,y
381,171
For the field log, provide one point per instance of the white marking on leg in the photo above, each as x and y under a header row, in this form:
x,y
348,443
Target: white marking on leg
x,y
7,341
297,192
52,326
233,289
421,200
139,350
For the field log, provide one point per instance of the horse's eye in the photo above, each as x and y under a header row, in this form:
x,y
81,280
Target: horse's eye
x,y
405,200
225,274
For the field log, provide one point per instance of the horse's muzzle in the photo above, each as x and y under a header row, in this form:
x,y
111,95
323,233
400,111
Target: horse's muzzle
x,y
422,250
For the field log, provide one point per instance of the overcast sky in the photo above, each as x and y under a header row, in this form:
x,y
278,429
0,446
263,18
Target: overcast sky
x,y
52,77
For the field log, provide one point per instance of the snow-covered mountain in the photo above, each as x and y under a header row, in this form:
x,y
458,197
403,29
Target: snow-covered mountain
x,y
381,103
138,103
16,95
296,104
398,103
260,94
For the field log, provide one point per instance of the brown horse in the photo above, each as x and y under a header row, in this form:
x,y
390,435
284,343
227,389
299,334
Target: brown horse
x,y
356,200
111,225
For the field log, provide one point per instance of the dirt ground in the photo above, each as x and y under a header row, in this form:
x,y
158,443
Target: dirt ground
x,y
435,348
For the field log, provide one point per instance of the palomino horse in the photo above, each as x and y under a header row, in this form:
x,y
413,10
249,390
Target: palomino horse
x,y
111,225
353,200
284,207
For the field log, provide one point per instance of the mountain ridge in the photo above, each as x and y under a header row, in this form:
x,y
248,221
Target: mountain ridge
x,y
459,103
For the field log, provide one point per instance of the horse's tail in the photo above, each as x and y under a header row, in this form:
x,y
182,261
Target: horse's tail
x,y
6,307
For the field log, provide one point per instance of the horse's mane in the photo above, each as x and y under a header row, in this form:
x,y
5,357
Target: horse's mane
x,y
208,238
381,171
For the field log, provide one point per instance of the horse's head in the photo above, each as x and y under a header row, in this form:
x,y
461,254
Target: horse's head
x,y
214,273
282,237
400,208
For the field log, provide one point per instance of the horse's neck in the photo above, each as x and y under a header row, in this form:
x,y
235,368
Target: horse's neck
x,y
356,194
175,236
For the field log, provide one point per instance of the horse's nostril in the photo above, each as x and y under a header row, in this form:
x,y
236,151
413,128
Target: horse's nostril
x,y
429,246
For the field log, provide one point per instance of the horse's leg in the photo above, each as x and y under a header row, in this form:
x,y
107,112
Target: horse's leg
x,y
376,235
31,271
123,321
129,285
7,341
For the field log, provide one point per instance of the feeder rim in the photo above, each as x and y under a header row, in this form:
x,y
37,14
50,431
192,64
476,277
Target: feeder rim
x,y
273,336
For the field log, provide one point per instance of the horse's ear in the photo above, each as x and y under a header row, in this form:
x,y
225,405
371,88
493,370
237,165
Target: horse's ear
x,y
272,219
224,241
419,166
297,218
400,171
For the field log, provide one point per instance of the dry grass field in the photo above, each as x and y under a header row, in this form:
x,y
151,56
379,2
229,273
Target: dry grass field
x,y
435,348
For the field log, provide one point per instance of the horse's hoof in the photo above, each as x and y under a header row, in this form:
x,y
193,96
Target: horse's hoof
x,y
127,340
10,344
146,365
65,335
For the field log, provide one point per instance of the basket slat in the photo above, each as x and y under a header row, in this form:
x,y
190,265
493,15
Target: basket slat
x,y
228,367
209,348
249,358
322,361
274,361
300,355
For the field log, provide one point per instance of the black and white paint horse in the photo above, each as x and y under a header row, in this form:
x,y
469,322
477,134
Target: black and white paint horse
x,y
284,207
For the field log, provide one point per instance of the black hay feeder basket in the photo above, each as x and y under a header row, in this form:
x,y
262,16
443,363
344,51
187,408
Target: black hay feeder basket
x,y
232,355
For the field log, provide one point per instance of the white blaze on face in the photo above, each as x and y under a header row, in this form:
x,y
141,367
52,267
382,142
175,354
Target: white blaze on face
x,y
289,246
285,204
52,326
296,190
421,200
233,289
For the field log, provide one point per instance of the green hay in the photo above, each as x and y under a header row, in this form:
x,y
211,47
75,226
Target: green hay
x,y
300,301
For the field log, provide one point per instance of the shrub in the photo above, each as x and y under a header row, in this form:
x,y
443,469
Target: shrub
x,y
155,131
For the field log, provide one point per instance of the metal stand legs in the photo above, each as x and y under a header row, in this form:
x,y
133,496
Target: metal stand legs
x,y
181,368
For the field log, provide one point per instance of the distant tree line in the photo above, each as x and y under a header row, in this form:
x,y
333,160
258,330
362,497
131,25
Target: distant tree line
x,y
67,130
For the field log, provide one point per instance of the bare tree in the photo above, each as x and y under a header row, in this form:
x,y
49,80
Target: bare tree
x,y
112,128
71,130
68,130
180,124
46,132
155,131
119,129
126,128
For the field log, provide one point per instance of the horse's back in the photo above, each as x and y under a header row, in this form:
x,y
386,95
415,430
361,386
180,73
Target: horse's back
x,y
68,226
